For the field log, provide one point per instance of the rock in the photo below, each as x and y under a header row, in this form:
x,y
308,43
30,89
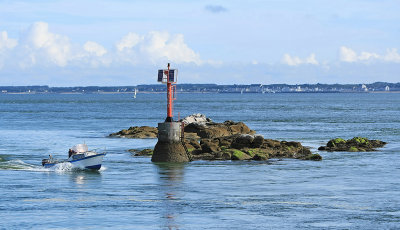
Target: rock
x,y
192,136
271,143
144,152
212,130
356,144
242,141
292,144
210,147
197,118
203,156
238,155
239,127
193,127
137,132
223,155
335,142
192,145
260,157
353,149
197,152
268,153
257,141
313,157
247,141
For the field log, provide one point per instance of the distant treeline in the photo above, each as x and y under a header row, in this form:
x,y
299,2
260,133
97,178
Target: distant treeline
x,y
212,88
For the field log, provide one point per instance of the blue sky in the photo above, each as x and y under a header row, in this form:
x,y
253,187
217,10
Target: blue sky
x,y
70,43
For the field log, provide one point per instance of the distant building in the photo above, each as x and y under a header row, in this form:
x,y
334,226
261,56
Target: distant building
x,y
364,88
387,88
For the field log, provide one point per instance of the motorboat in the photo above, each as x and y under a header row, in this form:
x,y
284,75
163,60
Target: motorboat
x,y
79,156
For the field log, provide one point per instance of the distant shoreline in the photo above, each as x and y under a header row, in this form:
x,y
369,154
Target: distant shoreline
x,y
377,87
78,93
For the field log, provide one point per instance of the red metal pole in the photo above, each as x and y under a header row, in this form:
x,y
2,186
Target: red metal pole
x,y
169,98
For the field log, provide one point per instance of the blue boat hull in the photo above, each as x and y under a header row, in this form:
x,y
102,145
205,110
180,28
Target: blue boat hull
x,y
90,162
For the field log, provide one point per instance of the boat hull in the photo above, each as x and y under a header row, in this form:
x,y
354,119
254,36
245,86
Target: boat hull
x,y
90,162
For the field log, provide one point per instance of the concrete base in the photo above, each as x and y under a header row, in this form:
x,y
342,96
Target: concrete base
x,y
169,152
169,147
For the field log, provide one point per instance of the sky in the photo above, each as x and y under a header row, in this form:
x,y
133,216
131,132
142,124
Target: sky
x,y
121,42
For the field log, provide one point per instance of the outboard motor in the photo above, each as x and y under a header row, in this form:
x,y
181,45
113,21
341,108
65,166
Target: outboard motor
x,y
45,161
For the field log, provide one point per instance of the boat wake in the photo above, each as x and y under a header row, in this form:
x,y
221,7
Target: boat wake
x,y
19,165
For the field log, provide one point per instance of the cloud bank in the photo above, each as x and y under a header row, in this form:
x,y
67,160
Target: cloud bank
x,y
155,47
39,47
40,56
349,55
295,61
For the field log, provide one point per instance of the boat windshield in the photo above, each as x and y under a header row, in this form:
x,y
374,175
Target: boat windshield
x,y
80,148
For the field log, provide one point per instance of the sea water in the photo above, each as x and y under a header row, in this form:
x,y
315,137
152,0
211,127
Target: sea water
x,y
345,190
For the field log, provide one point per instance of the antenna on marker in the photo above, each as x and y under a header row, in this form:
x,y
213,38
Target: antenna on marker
x,y
169,77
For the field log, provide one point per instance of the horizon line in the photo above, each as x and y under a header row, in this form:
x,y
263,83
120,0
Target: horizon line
x,y
202,84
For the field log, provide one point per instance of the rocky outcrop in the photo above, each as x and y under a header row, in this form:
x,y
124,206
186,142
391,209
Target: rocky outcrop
x,y
207,140
197,126
356,144
241,147
213,130
247,147
137,132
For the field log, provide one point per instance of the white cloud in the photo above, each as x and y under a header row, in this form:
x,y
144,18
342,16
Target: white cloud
x,y
6,42
392,56
6,45
156,47
348,55
367,56
40,45
311,60
94,48
93,54
292,61
128,41
295,61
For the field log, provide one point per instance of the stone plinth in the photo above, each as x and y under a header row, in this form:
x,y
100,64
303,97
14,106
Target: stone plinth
x,y
169,147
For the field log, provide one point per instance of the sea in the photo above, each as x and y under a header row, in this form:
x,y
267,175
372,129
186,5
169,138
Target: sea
x,y
346,190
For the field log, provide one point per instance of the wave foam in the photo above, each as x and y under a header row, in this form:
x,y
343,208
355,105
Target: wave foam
x,y
62,167
20,165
